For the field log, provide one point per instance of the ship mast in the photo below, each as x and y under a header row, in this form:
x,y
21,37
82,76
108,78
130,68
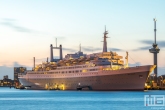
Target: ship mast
x,y
126,59
111,59
105,40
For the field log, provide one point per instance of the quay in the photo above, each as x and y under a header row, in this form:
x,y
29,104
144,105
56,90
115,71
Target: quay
x,y
155,88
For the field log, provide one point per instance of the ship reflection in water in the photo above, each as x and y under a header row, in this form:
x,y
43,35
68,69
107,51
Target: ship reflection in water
x,y
102,71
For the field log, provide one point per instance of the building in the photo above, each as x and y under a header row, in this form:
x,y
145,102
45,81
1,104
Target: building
x,y
161,80
6,81
5,77
16,71
1,82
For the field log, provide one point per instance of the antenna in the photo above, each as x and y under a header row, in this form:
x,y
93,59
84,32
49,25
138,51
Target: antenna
x,y
80,47
126,59
105,41
105,27
56,42
155,28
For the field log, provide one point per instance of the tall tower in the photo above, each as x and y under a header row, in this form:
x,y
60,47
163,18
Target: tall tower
x,y
155,50
105,41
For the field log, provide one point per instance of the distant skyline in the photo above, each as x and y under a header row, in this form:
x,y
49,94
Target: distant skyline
x,y
29,27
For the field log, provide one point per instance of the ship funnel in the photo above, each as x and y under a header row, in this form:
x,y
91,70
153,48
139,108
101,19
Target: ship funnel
x,y
51,53
60,52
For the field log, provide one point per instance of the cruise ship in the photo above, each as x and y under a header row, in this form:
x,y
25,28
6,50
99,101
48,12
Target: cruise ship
x,y
103,71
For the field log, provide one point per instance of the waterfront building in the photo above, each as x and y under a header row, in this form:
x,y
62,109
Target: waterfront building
x,y
6,81
5,77
1,82
16,71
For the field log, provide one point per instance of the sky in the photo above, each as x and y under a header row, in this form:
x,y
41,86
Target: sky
x,y
28,27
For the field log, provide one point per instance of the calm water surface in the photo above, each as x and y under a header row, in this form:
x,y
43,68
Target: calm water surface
x,y
15,99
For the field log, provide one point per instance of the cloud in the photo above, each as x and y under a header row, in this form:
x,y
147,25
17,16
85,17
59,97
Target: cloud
x,y
143,48
115,49
150,42
146,42
161,44
11,24
70,50
90,49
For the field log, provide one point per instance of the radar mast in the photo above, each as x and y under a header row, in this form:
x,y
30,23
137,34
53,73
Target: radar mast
x,y
105,40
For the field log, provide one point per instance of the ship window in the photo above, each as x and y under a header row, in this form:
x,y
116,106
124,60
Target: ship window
x,y
140,76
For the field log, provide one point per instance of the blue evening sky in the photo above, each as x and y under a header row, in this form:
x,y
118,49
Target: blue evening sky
x,y
28,27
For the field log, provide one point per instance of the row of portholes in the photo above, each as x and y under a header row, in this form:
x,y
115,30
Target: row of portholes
x,y
61,75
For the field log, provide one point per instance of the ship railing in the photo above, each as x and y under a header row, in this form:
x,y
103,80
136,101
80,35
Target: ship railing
x,y
132,67
20,76
22,73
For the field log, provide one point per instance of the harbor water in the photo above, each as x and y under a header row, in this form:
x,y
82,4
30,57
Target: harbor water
x,y
16,99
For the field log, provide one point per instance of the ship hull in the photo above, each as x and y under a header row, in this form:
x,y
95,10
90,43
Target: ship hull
x,y
129,80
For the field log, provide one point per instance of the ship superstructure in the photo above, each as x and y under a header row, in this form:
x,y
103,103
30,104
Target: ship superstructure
x,y
97,71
